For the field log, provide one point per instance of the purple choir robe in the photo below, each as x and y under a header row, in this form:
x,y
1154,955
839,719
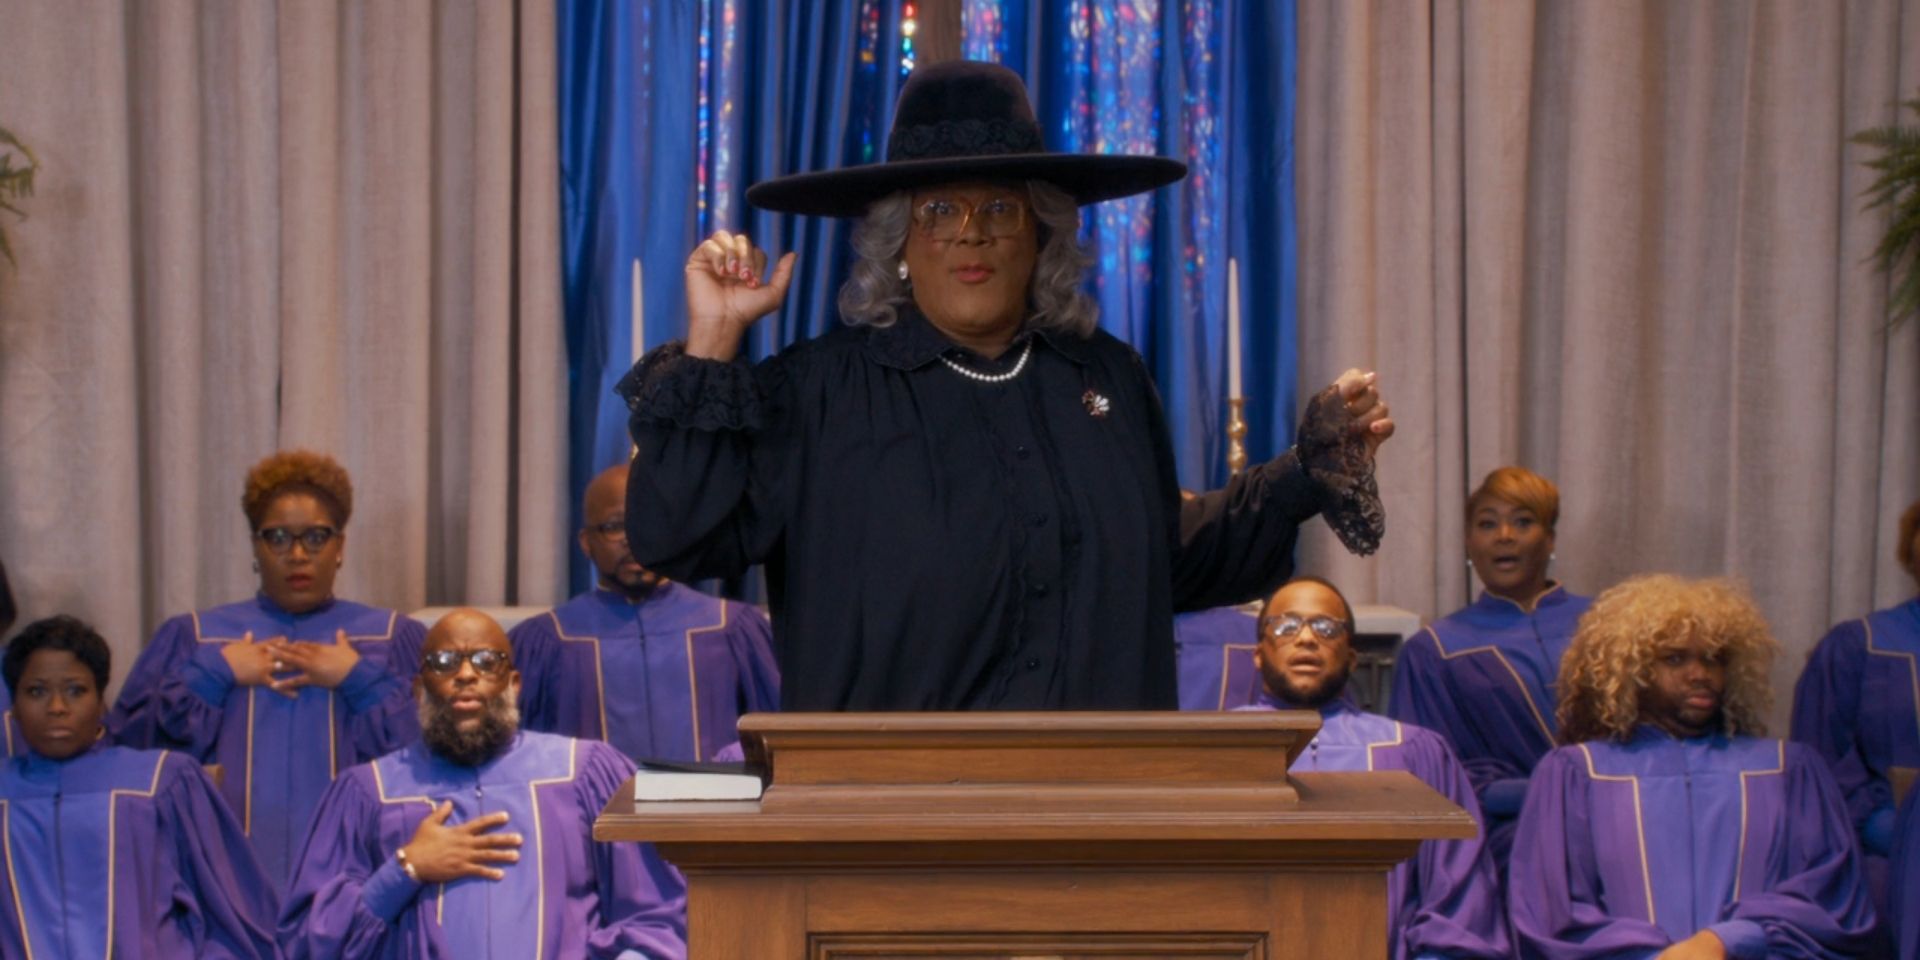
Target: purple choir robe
x,y
1445,902
1855,704
567,896
1904,920
665,679
277,754
10,740
1626,848
137,837
1215,652
1483,678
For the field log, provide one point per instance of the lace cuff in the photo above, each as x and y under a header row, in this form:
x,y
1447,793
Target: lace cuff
x,y
1336,457
692,392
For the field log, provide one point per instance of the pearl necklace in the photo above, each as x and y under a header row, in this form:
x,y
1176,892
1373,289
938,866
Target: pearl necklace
x,y
972,374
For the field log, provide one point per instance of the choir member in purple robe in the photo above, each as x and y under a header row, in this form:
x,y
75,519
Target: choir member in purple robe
x,y
1215,652
1856,705
1445,902
1483,676
1904,920
112,851
9,740
10,743
659,670
9,730
286,689
477,841
7,609
1669,826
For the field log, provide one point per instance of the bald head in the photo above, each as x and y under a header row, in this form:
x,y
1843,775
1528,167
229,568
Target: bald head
x,y
603,536
606,493
1310,594
466,629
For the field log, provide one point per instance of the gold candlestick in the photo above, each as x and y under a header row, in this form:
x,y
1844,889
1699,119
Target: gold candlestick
x,y
1236,434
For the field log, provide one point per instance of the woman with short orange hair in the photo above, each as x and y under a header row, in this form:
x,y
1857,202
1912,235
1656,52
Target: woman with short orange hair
x,y
1483,675
288,688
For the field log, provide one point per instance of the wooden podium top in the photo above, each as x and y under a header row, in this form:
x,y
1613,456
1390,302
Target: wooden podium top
x,y
1083,785
996,749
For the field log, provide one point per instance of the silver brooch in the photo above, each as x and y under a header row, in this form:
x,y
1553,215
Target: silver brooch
x,y
1097,405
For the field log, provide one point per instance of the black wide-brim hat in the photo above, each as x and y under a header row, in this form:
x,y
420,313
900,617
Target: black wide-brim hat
x,y
963,120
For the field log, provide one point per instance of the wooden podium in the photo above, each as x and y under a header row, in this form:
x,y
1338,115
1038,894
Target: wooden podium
x,y
1040,836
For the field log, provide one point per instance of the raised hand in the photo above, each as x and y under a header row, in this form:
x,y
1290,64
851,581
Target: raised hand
x,y
725,293
439,853
1361,394
314,664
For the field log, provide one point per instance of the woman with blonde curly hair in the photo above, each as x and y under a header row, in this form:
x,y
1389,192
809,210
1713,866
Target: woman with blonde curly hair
x,y
1669,826
288,688
1482,676
1855,704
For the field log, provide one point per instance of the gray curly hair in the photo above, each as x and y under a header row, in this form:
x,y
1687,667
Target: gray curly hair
x,y
874,291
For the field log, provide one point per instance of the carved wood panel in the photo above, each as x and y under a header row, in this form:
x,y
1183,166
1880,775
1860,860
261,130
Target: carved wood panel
x,y
1027,946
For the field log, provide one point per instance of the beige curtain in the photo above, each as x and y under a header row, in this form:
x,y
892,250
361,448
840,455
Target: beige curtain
x,y
1620,243
262,225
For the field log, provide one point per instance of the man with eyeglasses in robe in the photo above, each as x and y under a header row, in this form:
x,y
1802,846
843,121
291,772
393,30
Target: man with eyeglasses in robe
x,y
477,840
1445,902
656,668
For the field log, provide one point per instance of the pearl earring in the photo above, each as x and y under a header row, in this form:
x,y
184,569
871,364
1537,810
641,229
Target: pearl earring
x,y
256,565
903,269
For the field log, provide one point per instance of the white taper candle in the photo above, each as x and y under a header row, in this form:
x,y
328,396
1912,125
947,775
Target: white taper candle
x,y
639,314
1233,328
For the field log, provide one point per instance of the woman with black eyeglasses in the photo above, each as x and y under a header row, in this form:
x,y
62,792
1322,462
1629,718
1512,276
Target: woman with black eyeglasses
x,y
288,688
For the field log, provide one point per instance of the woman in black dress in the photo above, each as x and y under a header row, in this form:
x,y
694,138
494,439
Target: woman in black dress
x,y
965,498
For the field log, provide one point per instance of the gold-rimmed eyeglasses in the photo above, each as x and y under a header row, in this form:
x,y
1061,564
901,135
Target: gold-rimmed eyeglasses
x,y
946,218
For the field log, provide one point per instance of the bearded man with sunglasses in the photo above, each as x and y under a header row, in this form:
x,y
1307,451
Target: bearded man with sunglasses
x,y
1445,902
287,688
478,840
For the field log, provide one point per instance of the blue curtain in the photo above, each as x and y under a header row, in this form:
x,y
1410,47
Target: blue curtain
x,y
670,110
1209,82
1261,64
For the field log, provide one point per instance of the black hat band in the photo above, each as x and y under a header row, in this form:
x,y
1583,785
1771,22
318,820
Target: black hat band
x,y
962,138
